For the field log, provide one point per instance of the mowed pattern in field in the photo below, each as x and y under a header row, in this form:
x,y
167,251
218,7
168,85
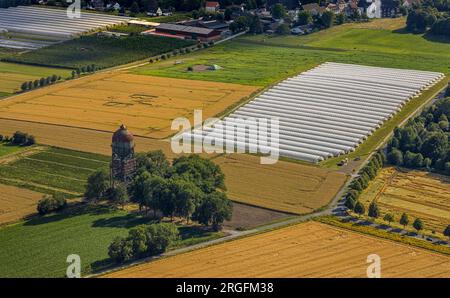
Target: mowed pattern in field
x,y
284,186
305,250
419,194
16,203
147,105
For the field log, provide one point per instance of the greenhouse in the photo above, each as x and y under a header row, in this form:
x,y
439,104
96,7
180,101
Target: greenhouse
x,y
324,112
32,25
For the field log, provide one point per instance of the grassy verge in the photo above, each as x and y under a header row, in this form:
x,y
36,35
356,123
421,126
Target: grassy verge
x,y
331,220
39,247
6,149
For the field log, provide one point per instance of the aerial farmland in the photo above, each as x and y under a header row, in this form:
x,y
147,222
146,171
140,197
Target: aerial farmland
x,y
93,182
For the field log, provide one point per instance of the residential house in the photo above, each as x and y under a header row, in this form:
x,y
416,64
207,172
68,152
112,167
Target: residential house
x,y
408,4
314,9
212,6
372,8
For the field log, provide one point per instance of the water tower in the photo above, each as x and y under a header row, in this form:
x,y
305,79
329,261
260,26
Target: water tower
x,y
123,165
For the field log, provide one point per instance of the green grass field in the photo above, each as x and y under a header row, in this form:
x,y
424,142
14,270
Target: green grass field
x,y
39,247
6,149
101,51
262,60
53,170
12,75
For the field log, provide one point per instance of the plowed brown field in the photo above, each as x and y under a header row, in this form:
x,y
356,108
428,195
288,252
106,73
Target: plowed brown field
x,y
16,203
147,105
418,193
305,250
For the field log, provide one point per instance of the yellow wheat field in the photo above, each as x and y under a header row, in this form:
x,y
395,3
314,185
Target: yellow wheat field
x,y
306,250
16,203
418,193
284,186
147,105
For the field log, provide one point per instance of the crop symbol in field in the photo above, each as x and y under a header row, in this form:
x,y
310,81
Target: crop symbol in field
x,y
239,135
74,10
374,268
74,268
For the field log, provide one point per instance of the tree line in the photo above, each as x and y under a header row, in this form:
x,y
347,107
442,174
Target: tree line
x,y
424,141
431,16
83,70
42,82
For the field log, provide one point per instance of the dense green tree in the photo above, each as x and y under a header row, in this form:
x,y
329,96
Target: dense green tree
x,y
373,210
49,204
446,232
214,210
155,162
350,203
119,195
134,9
256,26
278,11
404,220
304,18
97,184
395,157
418,224
435,145
389,217
201,171
327,19
24,86
359,208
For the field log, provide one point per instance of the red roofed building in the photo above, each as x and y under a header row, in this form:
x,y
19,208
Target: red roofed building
x,y
212,6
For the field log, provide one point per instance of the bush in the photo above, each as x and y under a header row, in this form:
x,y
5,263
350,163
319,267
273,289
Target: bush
x,y
143,241
49,204
23,139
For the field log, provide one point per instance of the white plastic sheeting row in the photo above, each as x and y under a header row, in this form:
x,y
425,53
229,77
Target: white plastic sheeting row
x,y
53,23
326,111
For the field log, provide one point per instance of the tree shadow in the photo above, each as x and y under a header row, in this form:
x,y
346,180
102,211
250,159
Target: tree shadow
x,y
125,221
72,211
188,232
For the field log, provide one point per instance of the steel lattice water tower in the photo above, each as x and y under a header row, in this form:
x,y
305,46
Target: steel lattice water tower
x,y
123,165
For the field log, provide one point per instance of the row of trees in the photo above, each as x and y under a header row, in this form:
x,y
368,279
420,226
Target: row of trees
x,y
374,212
424,141
143,241
42,82
365,175
84,70
191,187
